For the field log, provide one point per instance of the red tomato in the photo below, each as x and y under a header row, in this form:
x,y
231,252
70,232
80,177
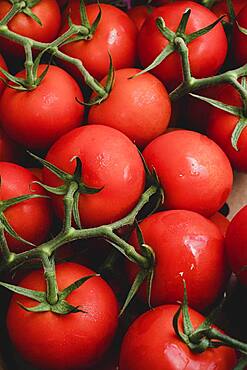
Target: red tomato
x,y
186,246
49,14
48,112
140,107
221,221
239,39
220,8
193,171
4,66
151,343
115,34
37,172
221,125
32,219
109,160
207,53
236,244
139,14
73,341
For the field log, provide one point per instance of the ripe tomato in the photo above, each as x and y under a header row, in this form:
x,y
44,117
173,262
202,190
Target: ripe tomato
x,y
115,34
140,107
236,241
139,13
221,221
49,14
239,39
32,219
4,66
186,246
48,112
220,8
206,54
151,343
221,125
193,171
73,341
109,160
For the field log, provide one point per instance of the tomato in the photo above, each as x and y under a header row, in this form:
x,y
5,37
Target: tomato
x,y
9,150
221,221
4,66
115,34
140,107
73,341
151,343
32,219
221,125
186,246
206,54
109,160
239,39
220,8
138,14
37,172
49,14
193,171
48,112
236,239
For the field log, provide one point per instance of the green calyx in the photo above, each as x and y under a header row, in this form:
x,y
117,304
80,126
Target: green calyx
x,y
25,7
61,306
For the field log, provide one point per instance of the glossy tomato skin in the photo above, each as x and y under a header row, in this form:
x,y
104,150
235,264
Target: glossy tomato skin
x,y
221,221
32,219
240,39
138,107
151,343
48,112
70,342
115,34
236,241
139,14
186,246
193,171
206,54
110,161
49,14
221,126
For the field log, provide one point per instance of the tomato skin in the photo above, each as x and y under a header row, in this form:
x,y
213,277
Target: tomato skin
x,y
193,171
221,125
74,341
49,14
151,343
109,160
4,66
116,34
144,96
32,219
239,39
236,241
186,246
9,150
220,8
49,111
206,54
221,221
139,14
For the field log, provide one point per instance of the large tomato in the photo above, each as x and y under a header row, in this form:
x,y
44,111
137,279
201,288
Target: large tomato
x,y
240,39
48,13
221,221
47,112
139,107
69,342
236,245
193,171
151,343
115,34
222,124
32,219
4,66
206,54
186,246
110,161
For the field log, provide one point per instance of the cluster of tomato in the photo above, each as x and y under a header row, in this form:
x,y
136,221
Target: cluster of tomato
x,y
47,108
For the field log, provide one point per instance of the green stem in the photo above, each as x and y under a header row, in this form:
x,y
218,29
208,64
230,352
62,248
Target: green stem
x,y
228,341
51,281
7,255
12,12
29,64
184,53
208,3
243,93
68,205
